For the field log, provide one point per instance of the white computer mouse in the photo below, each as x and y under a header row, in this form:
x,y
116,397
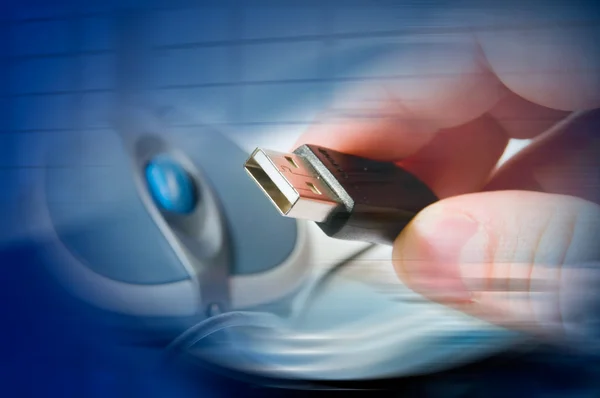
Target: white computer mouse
x,y
164,225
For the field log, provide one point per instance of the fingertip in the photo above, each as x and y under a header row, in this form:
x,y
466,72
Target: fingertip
x,y
427,254
554,66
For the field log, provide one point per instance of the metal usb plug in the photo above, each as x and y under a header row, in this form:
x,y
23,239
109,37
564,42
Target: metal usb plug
x,y
349,197
292,184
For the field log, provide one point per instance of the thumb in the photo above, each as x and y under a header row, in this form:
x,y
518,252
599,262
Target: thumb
x,y
524,260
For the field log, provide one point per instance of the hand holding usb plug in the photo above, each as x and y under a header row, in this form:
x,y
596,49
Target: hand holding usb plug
x,y
532,222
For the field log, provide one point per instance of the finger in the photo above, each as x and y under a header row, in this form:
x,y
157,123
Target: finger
x,y
548,55
441,83
402,121
565,161
523,119
460,159
458,250
444,81
399,124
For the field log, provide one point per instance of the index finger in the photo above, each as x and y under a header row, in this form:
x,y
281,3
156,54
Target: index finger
x,y
439,83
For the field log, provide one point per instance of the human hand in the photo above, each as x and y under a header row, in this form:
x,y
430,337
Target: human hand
x,y
516,245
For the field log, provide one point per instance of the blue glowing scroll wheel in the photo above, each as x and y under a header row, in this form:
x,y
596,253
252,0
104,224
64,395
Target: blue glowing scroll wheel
x,y
170,185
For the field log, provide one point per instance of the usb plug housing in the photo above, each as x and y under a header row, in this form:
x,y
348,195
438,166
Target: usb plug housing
x,y
292,185
349,197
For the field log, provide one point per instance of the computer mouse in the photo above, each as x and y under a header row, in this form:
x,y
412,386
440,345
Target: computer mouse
x,y
163,224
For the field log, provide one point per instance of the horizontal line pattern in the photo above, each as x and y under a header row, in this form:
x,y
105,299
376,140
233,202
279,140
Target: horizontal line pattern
x,y
246,103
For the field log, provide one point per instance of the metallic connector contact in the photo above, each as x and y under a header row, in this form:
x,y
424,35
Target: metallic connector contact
x,y
292,185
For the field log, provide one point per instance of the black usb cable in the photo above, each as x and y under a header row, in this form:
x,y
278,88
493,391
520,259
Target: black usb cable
x,y
349,197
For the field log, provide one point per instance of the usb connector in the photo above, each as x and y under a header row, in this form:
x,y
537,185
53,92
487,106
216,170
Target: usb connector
x,y
349,197
292,184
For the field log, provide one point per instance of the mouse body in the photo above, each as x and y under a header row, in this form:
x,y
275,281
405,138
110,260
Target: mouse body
x,y
164,225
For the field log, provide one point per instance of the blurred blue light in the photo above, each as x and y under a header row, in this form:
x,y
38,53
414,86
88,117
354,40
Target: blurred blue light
x,y
170,185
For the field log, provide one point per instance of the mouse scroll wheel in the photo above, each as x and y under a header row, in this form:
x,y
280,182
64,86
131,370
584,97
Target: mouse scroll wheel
x,y
170,185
